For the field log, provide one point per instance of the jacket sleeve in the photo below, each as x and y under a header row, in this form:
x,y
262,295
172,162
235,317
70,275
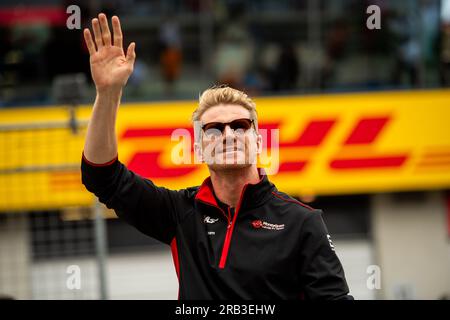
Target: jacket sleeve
x,y
152,210
321,274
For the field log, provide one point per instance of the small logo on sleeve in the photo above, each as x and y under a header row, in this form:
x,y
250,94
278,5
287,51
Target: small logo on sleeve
x,y
259,224
331,242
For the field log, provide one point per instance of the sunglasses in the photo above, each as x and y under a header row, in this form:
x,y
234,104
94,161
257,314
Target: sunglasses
x,y
216,129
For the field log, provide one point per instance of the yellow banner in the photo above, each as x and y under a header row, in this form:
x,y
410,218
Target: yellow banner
x,y
328,145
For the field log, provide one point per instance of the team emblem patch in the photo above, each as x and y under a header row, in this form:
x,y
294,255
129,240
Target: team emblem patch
x,y
259,224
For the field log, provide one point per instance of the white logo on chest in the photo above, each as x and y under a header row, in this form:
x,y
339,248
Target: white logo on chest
x,y
208,219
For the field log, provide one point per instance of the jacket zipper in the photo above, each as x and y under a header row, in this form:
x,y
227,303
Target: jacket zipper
x,y
230,228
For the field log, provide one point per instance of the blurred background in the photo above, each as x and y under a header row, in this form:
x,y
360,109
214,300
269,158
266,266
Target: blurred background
x,y
363,115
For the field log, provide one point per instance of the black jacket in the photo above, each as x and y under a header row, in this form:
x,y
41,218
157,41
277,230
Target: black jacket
x,y
272,247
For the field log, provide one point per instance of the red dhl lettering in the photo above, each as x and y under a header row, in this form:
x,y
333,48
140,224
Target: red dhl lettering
x,y
148,165
365,132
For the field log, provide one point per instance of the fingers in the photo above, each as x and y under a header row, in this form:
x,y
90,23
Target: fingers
x,y
97,33
131,54
117,30
102,35
89,42
106,34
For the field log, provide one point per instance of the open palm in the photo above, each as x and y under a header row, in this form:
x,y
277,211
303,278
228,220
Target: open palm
x,y
110,67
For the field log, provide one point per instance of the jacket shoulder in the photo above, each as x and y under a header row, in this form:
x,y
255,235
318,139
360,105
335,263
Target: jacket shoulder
x,y
294,205
189,192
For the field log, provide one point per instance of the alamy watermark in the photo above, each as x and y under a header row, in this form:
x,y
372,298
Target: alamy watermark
x,y
73,281
374,280
241,147
374,20
74,20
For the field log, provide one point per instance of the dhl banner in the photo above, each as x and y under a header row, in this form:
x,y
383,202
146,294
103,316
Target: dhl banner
x,y
327,145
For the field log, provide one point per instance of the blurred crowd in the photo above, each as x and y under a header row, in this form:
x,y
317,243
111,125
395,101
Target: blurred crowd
x,y
264,47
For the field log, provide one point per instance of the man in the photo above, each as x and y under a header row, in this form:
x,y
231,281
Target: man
x,y
235,236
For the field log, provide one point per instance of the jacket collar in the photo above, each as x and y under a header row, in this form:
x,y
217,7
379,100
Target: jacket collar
x,y
253,195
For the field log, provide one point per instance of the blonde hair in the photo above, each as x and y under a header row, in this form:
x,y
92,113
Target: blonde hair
x,y
222,94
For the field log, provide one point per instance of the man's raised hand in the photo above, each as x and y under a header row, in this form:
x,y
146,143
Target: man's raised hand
x,y
110,67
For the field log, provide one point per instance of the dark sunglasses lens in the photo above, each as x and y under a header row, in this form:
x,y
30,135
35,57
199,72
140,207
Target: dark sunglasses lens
x,y
214,126
242,124
214,129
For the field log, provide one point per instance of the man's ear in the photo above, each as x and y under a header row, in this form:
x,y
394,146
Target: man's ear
x,y
198,153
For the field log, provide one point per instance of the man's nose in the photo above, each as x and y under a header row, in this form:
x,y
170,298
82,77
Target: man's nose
x,y
228,132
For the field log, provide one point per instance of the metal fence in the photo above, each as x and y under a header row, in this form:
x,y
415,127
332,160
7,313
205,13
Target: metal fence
x,y
46,246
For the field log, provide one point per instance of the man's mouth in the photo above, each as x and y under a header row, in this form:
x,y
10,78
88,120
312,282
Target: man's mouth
x,y
229,150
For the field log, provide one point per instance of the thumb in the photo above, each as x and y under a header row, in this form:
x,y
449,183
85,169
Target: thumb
x,y
131,54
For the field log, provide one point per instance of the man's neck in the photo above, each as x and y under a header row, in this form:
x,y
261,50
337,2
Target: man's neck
x,y
228,184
